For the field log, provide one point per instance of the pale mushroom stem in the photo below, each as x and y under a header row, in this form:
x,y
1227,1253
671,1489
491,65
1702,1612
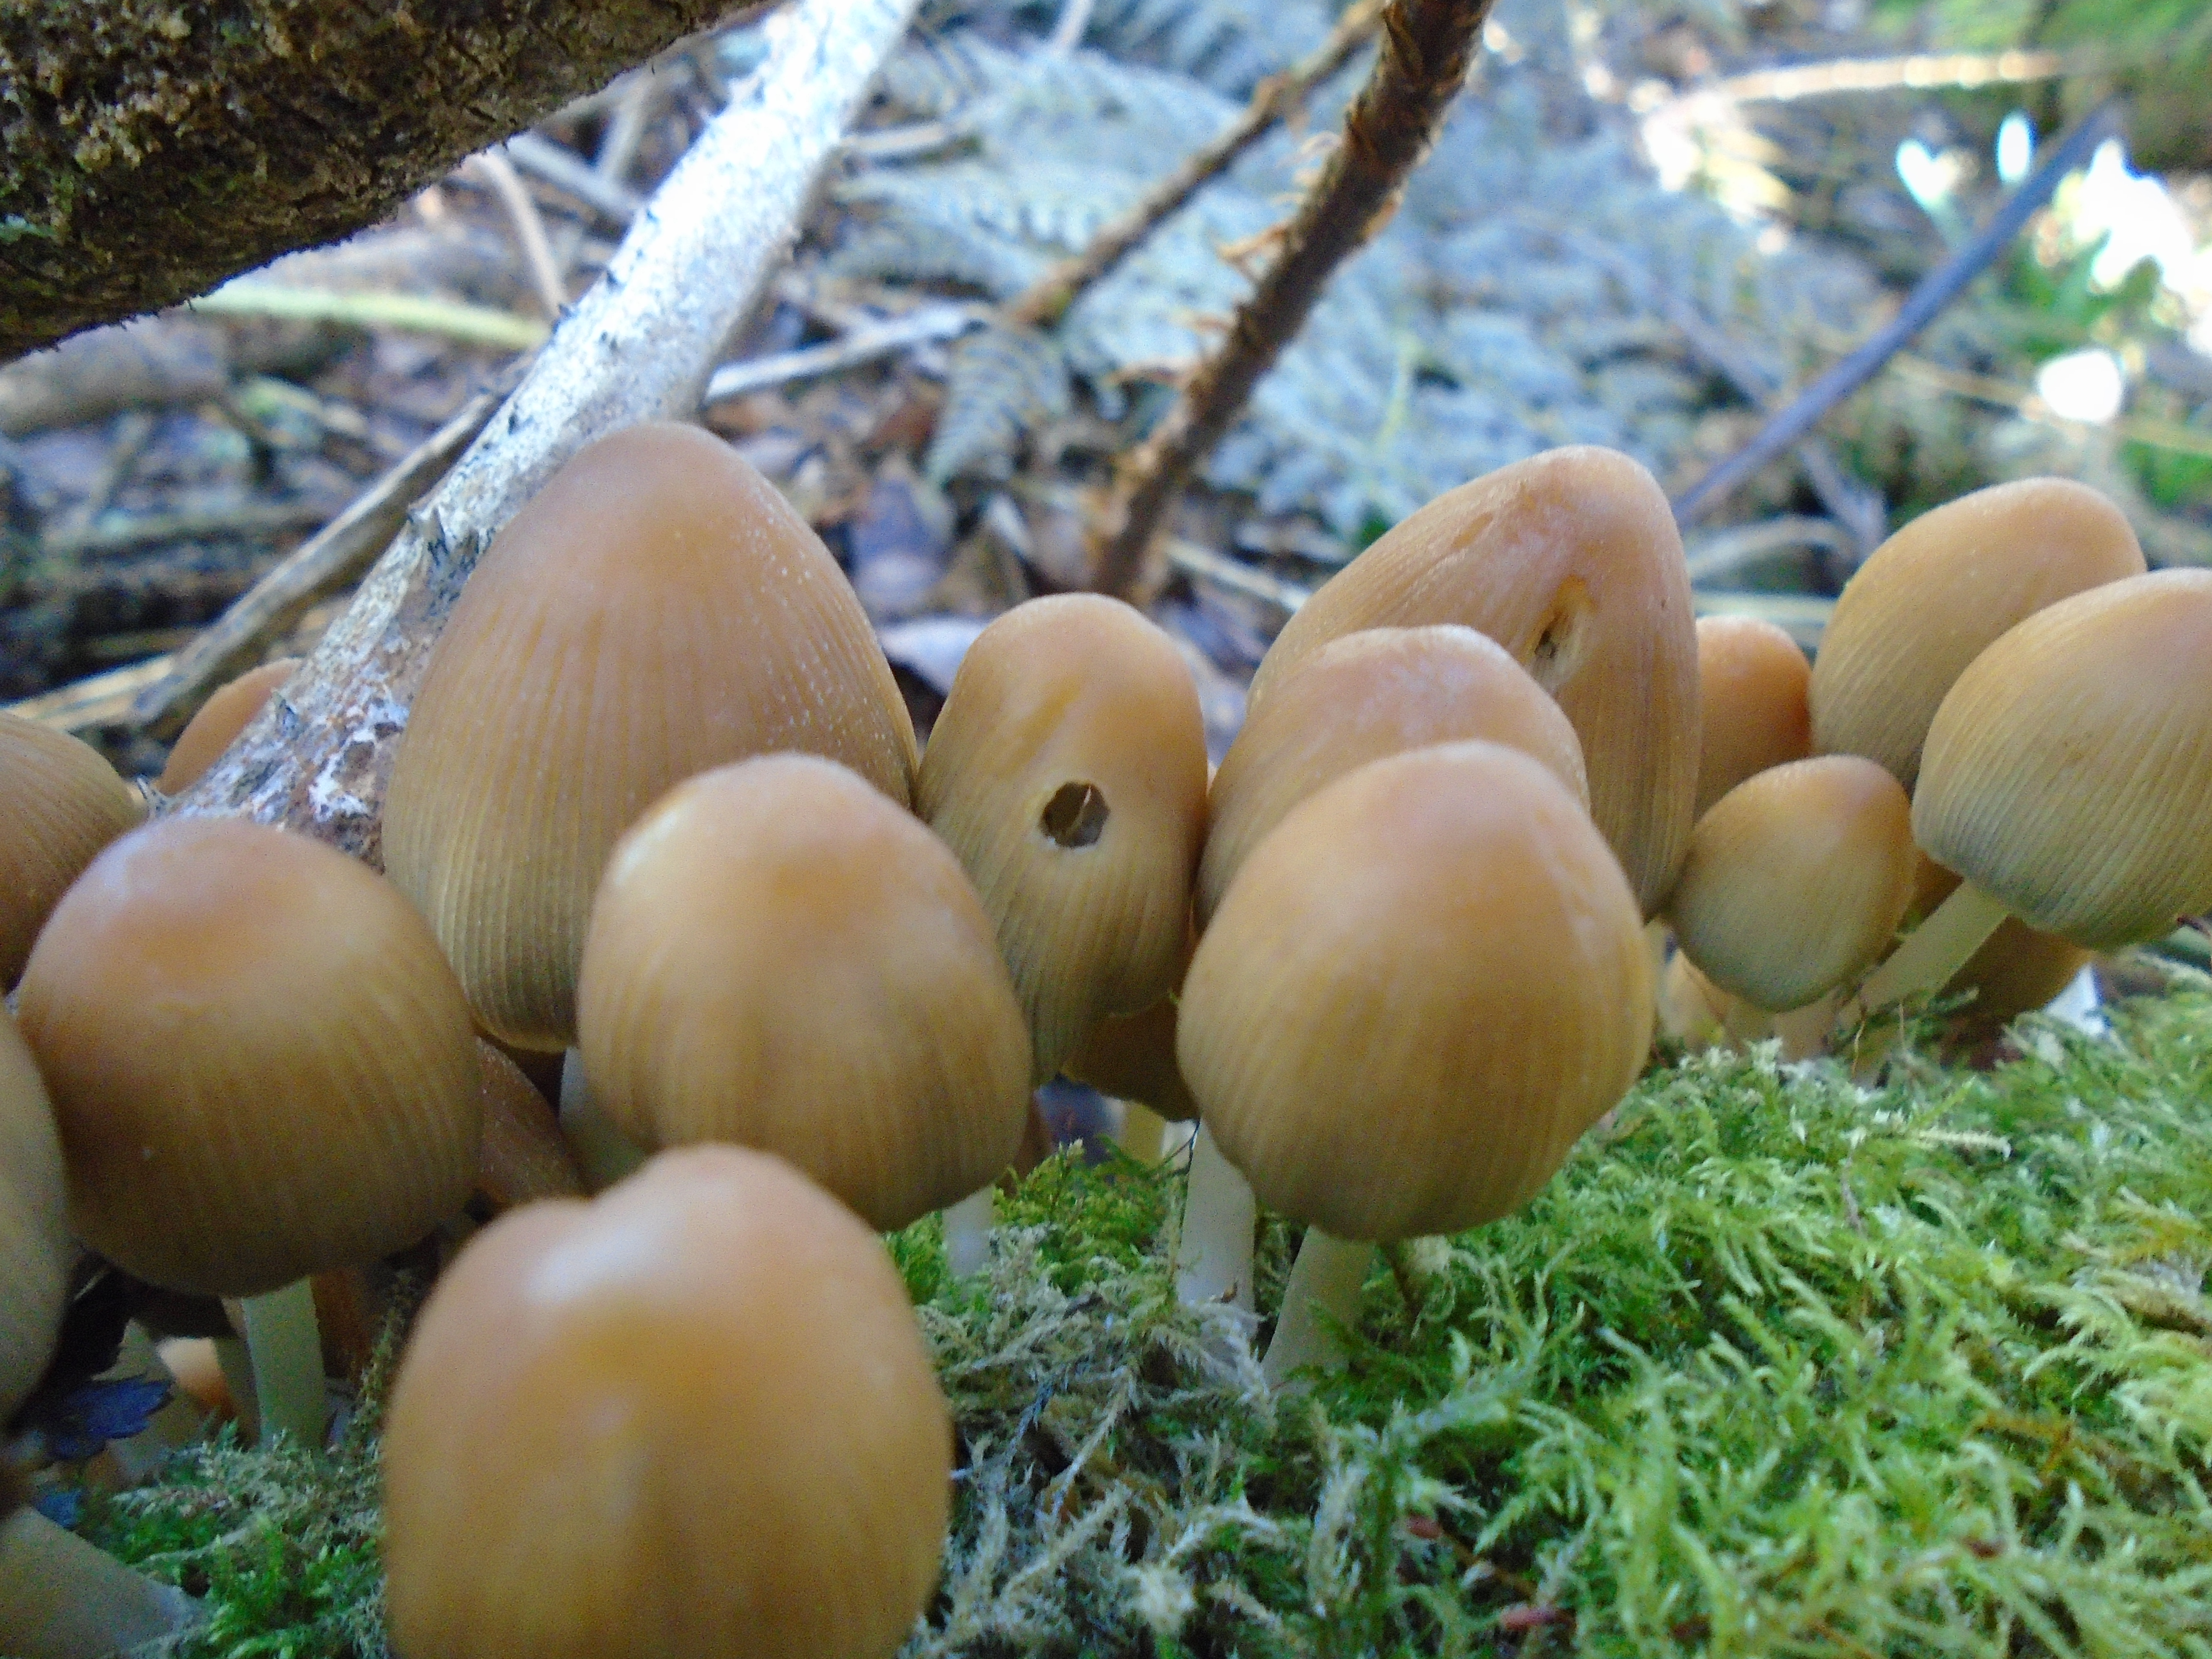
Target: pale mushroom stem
x,y
602,1152
1932,954
1804,1031
286,1347
1213,1253
968,1233
62,1598
1323,1290
237,1374
1143,1130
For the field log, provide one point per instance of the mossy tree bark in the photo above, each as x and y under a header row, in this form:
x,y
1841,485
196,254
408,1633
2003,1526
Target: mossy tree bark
x,y
149,149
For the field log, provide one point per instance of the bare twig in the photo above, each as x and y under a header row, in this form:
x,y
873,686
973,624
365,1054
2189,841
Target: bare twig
x,y
638,346
864,343
1067,31
455,319
498,173
248,518
102,700
1204,564
570,174
1918,72
1727,550
1048,298
1937,289
1422,64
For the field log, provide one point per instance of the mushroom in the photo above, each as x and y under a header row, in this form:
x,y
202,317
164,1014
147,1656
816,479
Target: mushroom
x,y
60,803
1934,596
1420,990
261,1068
220,720
781,957
692,1416
1067,772
2018,969
1570,561
2068,779
1751,681
35,1252
523,1158
655,609
1360,697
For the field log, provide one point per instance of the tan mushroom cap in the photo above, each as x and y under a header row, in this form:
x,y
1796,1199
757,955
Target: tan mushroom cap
x,y
219,721
1751,681
35,1251
782,958
1796,880
1420,990
657,609
60,803
260,1064
1067,772
693,1416
2068,773
1936,595
522,1157
1570,561
1358,698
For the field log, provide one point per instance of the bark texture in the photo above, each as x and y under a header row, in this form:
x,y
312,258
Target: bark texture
x,y
148,149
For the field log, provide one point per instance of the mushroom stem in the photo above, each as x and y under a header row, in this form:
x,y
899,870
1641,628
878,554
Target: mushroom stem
x,y
1213,1253
968,1233
286,1346
1143,1130
1932,954
1804,1031
602,1152
237,1368
62,1598
1322,1294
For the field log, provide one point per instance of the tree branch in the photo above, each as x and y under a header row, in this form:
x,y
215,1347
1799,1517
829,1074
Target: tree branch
x,y
1423,61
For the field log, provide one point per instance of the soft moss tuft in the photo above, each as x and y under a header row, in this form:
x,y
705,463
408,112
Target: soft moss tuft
x,y
1778,1365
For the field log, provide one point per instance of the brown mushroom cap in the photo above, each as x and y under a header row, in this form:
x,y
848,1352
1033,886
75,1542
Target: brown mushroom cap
x,y
1374,693
60,803
220,720
655,609
1934,596
2068,773
1751,681
523,1158
781,957
35,1252
1570,561
1420,990
1068,771
260,1063
1796,880
693,1416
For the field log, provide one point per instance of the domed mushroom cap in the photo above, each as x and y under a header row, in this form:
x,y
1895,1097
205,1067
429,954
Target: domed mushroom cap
x,y
219,721
1374,693
693,1416
1420,990
260,1064
657,609
1570,561
60,803
1934,596
35,1251
781,957
1796,880
2068,773
1068,771
1751,681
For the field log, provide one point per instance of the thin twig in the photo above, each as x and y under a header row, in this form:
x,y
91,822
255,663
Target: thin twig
x,y
1919,72
1419,70
1046,300
454,319
1727,550
102,700
522,213
1204,564
1937,289
569,174
237,519
864,343
1067,32
323,563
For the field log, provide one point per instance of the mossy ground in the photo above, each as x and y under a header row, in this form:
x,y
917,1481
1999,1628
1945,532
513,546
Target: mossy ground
x,y
1778,1366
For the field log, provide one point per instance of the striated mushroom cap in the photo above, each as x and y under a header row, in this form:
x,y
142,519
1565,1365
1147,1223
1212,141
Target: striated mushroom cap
x,y
2068,773
1571,562
1934,596
1358,698
35,1251
693,1416
1796,880
219,721
781,957
1420,990
657,609
60,803
1068,771
1751,681
260,1064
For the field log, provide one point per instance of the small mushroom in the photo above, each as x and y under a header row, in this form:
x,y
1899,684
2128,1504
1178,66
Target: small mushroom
x,y
1751,681
219,721
60,803
35,1251
693,1416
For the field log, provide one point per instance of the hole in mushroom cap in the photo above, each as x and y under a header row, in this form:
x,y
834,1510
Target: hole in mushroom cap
x,y
1076,815
1563,636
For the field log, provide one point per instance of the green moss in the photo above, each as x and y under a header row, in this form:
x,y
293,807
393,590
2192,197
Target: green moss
x,y
1778,1365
